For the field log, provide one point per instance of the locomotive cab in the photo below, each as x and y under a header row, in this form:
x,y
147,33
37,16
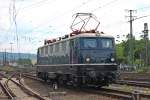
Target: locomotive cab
x,y
96,58
97,50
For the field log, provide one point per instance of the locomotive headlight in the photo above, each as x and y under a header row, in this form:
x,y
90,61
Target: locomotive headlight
x,y
87,59
112,59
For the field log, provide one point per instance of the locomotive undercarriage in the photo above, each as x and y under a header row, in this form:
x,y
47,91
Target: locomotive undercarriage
x,y
82,75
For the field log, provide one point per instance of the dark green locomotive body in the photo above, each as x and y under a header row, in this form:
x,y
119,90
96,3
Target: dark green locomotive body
x,y
84,59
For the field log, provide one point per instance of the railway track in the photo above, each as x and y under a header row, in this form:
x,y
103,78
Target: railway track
x,y
32,77
134,83
11,92
131,76
122,82
107,91
127,94
7,91
111,92
137,79
103,91
28,91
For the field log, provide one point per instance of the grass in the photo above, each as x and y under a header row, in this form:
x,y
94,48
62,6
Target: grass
x,y
7,69
143,70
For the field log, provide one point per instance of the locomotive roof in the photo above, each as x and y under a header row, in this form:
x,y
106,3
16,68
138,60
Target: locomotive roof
x,y
93,35
81,35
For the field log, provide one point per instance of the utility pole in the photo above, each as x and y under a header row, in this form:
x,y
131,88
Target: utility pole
x,y
145,31
131,42
4,58
11,52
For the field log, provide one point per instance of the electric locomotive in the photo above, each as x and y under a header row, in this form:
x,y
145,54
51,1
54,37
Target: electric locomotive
x,y
83,57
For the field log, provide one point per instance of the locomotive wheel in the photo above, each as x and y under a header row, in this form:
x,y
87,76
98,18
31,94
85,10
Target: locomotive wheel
x,y
60,80
46,76
55,85
38,75
77,82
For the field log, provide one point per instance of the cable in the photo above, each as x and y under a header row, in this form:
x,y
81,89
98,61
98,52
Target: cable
x,y
39,2
143,8
109,3
63,14
15,23
19,7
10,16
82,4
141,17
98,7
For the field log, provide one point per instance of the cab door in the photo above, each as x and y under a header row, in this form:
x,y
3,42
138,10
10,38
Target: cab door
x,y
73,52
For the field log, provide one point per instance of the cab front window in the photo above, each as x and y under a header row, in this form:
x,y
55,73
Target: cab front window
x,y
107,43
89,43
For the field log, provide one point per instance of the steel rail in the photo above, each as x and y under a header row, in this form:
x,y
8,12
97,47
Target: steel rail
x,y
110,92
32,77
23,87
137,79
134,83
6,91
120,93
102,91
105,91
29,91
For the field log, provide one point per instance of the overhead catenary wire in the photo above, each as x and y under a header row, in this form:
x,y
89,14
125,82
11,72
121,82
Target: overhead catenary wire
x,y
16,28
39,3
62,14
19,8
141,17
10,16
77,7
143,8
107,4
13,12
32,5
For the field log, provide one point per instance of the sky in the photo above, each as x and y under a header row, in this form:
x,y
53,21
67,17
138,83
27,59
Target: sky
x,y
25,24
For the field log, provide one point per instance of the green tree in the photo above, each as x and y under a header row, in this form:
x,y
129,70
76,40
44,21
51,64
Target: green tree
x,y
138,51
120,53
24,61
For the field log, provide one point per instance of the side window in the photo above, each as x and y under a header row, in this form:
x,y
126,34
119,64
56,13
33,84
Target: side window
x,y
57,47
64,46
42,51
51,49
46,50
71,43
39,51
67,46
